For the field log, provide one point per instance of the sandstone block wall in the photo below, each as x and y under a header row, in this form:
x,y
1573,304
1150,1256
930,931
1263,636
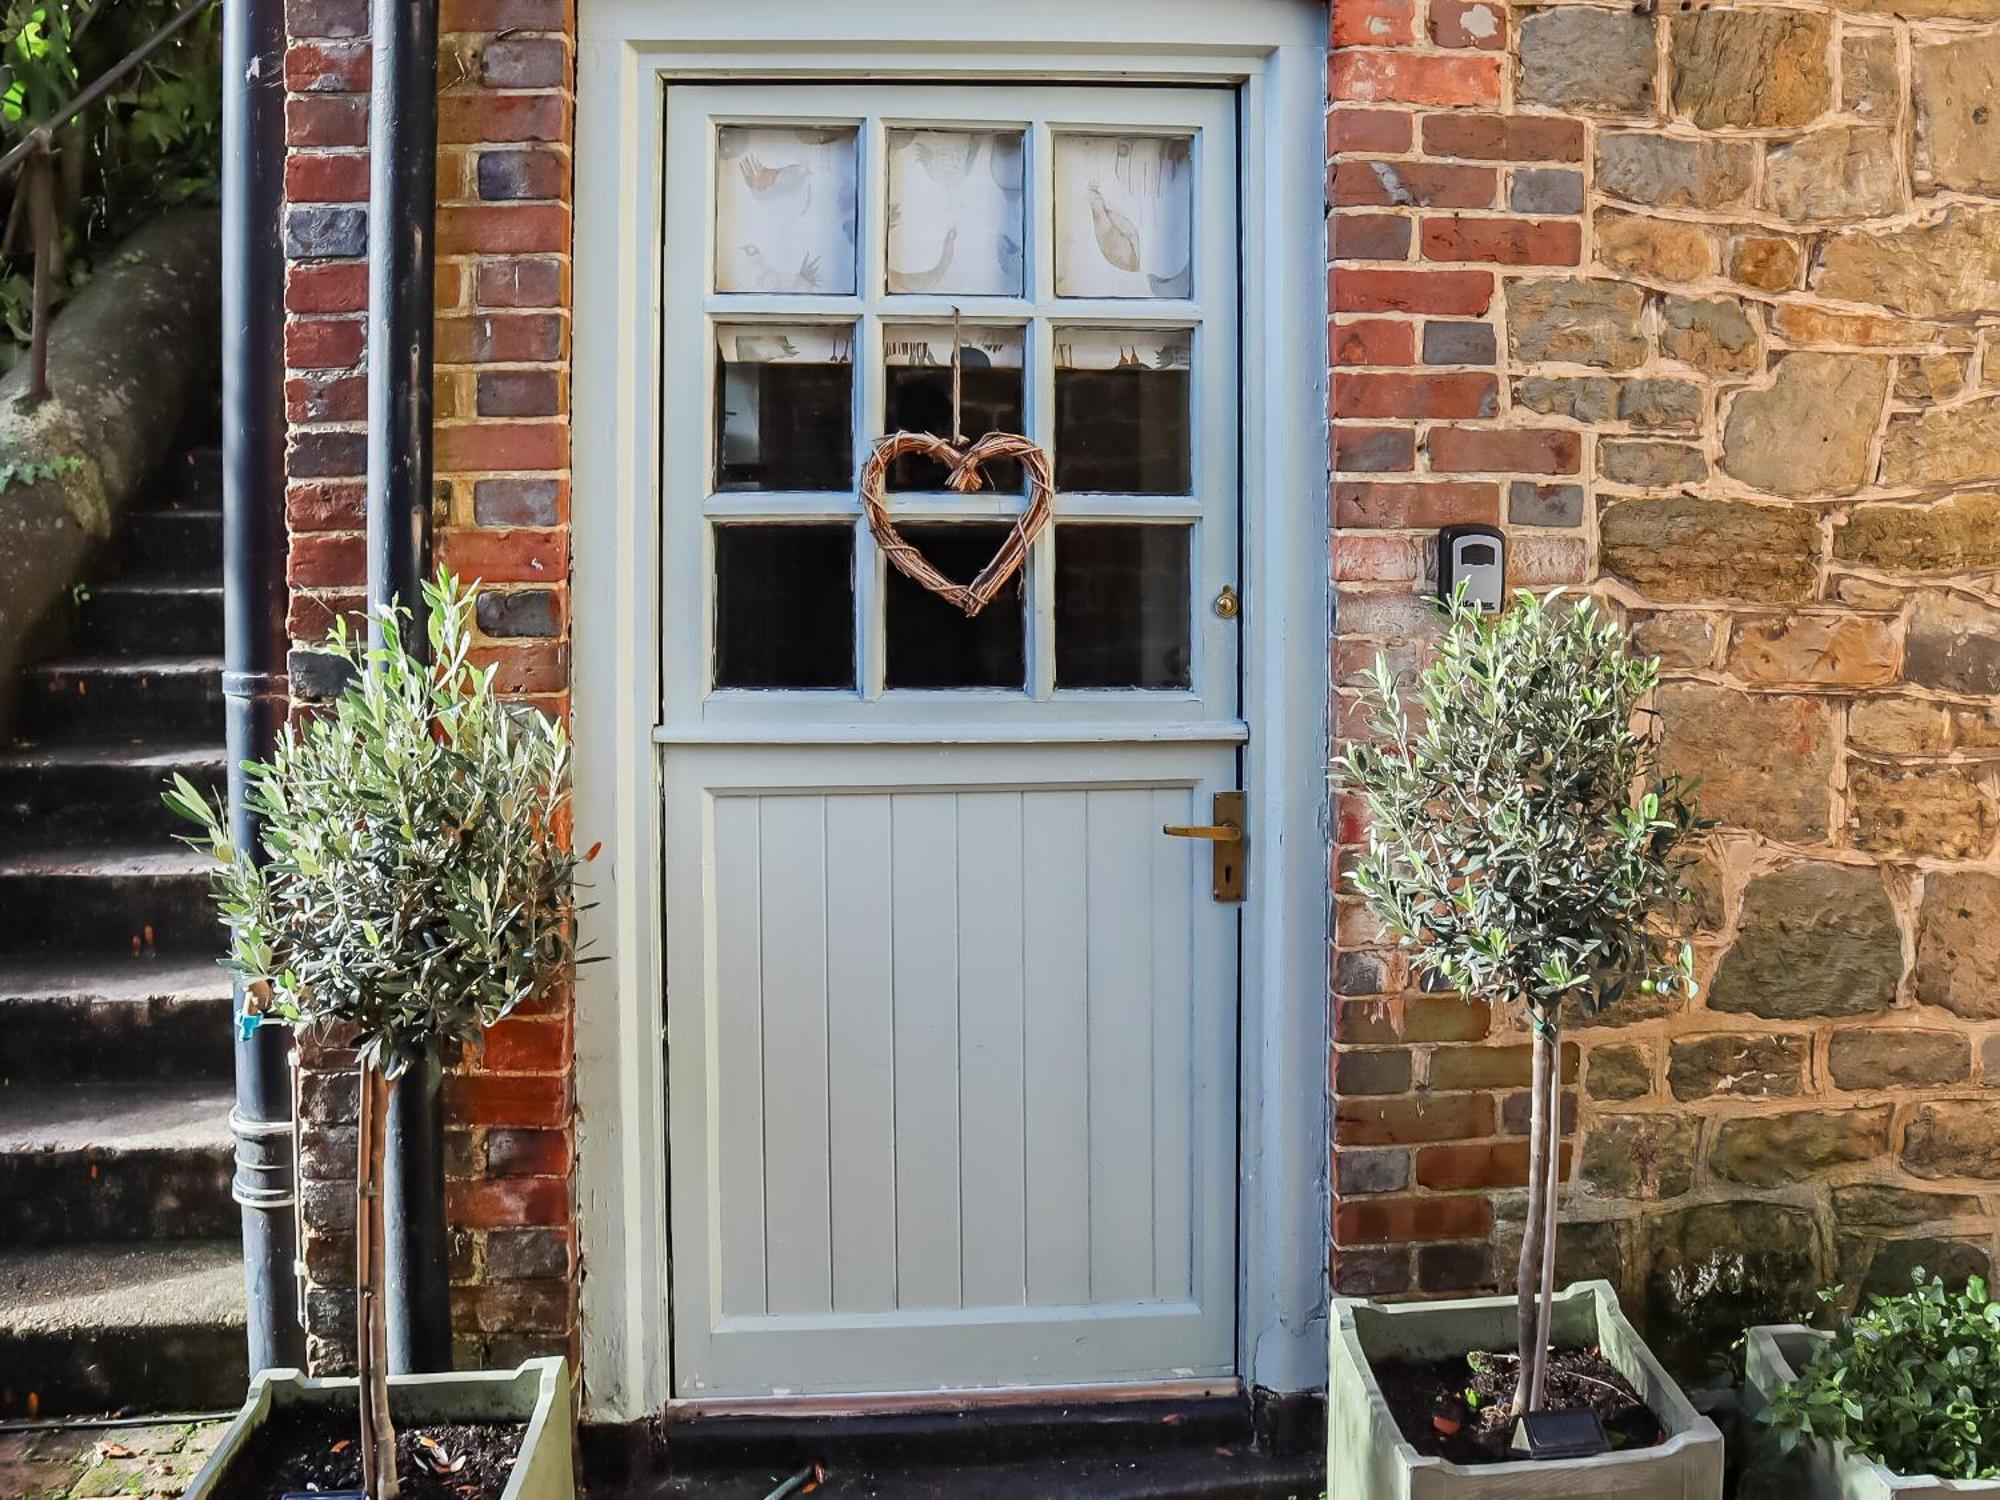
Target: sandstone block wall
x,y
1702,302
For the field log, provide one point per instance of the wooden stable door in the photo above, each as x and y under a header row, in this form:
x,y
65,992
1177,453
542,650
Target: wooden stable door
x,y
951,1020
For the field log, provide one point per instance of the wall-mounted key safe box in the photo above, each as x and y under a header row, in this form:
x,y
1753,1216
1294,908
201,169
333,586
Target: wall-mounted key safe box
x,y
1475,556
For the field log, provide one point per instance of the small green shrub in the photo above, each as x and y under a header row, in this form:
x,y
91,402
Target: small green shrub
x,y
1911,1381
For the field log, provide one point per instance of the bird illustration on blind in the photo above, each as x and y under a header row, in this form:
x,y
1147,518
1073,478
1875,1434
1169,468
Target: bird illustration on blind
x,y
776,184
1117,236
932,279
947,159
785,209
773,279
759,349
1123,216
954,221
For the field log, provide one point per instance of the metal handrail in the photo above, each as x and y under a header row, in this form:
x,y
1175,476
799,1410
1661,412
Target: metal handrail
x,y
34,154
103,84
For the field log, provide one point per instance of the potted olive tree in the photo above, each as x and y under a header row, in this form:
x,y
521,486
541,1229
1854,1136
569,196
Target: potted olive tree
x,y
416,888
1524,849
1898,1403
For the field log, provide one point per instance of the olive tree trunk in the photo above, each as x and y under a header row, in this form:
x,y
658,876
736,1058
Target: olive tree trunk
x,y
1550,1043
1538,1229
371,1323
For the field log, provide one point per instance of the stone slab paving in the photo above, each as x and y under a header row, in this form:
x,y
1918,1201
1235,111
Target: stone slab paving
x,y
92,1463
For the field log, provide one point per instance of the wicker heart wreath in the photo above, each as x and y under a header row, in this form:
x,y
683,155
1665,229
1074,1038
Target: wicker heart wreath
x,y
964,463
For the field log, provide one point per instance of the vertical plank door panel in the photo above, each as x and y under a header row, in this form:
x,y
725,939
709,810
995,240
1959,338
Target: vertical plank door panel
x,y
924,839
992,939
1120,851
797,1189
1058,1048
1172,901
736,848
861,1057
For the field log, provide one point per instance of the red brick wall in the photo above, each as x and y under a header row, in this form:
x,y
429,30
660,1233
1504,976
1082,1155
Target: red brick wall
x,y
501,508
1435,190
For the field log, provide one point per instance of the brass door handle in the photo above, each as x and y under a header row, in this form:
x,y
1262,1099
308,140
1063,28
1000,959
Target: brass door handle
x,y
1219,833
1230,845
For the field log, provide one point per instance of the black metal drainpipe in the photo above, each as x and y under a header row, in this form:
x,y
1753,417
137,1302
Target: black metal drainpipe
x,y
402,220
254,645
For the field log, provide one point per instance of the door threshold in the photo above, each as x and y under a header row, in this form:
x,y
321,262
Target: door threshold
x,y
987,1431
1174,1474
922,1403
1121,1443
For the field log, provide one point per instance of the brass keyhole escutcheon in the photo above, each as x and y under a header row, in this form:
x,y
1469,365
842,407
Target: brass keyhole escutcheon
x,y
1227,605
1226,837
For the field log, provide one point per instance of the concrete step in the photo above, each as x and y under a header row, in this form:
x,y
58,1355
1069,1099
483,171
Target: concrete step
x,y
133,899
102,1328
96,697
98,792
190,480
89,1161
171,543
115,1020
145,617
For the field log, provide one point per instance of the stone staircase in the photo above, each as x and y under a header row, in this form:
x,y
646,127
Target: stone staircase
x,y
121,1283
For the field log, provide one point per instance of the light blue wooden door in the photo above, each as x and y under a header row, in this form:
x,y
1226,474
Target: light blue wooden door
x,y
952,1024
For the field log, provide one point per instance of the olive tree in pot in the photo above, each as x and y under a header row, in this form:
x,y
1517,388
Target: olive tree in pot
x,y
1525,849
417,886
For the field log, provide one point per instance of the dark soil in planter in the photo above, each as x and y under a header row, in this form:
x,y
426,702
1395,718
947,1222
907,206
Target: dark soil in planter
x,y
320,1450
1428,1399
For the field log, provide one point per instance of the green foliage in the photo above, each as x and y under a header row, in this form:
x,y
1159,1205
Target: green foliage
x,y
153,143
12,474
418,884
1524,843
1911,1381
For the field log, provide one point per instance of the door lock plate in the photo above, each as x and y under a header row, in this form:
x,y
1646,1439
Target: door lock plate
x,y
1227,838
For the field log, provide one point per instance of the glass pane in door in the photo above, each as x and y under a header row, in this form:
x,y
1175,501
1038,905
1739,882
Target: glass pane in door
x,y
917,396
1124,216
1123,423
784,407
954,212
785,209
931,643
784,606
1122,607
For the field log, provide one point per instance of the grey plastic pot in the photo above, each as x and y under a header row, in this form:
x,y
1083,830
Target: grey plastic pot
x,y
537,1394
1367,1458
1823,1469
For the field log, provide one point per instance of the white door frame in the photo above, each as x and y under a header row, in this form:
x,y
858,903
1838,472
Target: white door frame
x,y
1273,52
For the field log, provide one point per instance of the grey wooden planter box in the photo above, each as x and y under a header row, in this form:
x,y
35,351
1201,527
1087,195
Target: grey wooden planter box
x,y
537,1394
1367,1458
1825,1469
